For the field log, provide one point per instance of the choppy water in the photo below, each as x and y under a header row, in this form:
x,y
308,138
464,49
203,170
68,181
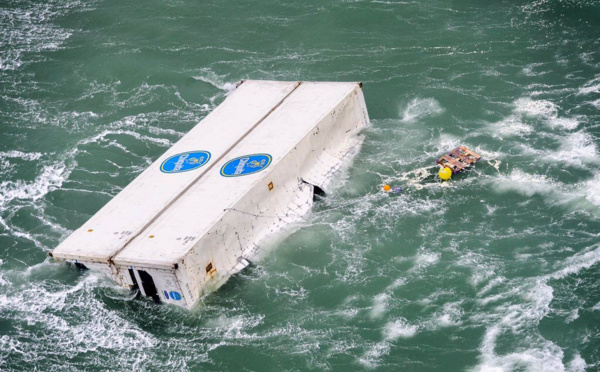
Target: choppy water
x,y
497,270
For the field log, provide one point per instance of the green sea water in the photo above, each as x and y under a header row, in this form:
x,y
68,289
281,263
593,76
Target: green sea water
x,y
494,271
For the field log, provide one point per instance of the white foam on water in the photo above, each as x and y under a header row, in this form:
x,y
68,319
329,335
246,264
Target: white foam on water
x,y
582,196
33,114
576,149
378,207
235,327
546,358
370,359
483,270
399,328
52,177
396,283
172,132
141,95
413,178
20,233
595,103
26,31
529,305
380,304
100,88
493,283
548,90
526,149
419,108
573,315
511,126
529,70
490,209
593,190
229,87
592,86
28,156
135,126
433,298
489,155
347,313
578,364
529,108
426,258
15,194
565,123
524,183
3,281
449,316
68,316
8,163
576,263
540,108
446,143
100,137
210,77
294,295
526,303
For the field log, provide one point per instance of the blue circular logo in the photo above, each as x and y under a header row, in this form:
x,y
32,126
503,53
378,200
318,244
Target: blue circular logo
x,y
186,161
175,295
245,165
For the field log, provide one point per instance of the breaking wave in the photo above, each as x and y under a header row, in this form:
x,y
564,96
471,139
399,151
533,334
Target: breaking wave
x,y
419,108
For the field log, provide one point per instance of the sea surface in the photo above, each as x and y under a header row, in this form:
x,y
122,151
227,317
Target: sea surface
x,y
497,270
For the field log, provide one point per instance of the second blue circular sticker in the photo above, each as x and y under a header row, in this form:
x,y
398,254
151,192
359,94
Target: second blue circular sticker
x,y
245,165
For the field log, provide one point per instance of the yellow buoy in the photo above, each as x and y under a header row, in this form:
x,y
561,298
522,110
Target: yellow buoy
x,y
387,187
445,173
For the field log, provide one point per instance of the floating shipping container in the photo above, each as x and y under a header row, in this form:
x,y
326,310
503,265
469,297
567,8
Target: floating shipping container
x,y
201,212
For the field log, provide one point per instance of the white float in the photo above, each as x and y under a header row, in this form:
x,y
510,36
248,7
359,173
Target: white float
x,y
200,212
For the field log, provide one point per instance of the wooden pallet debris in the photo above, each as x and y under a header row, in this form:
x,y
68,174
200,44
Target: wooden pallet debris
x,y
459,159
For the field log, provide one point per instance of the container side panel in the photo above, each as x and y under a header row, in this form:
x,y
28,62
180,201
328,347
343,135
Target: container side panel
x,y
339,141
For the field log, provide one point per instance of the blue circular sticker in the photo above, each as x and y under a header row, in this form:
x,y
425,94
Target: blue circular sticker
x,y
186,161
245,165
175,295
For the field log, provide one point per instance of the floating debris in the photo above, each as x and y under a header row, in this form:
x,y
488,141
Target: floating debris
x,y
458,159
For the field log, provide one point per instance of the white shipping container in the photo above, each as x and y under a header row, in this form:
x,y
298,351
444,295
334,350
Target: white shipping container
x,y
262,182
